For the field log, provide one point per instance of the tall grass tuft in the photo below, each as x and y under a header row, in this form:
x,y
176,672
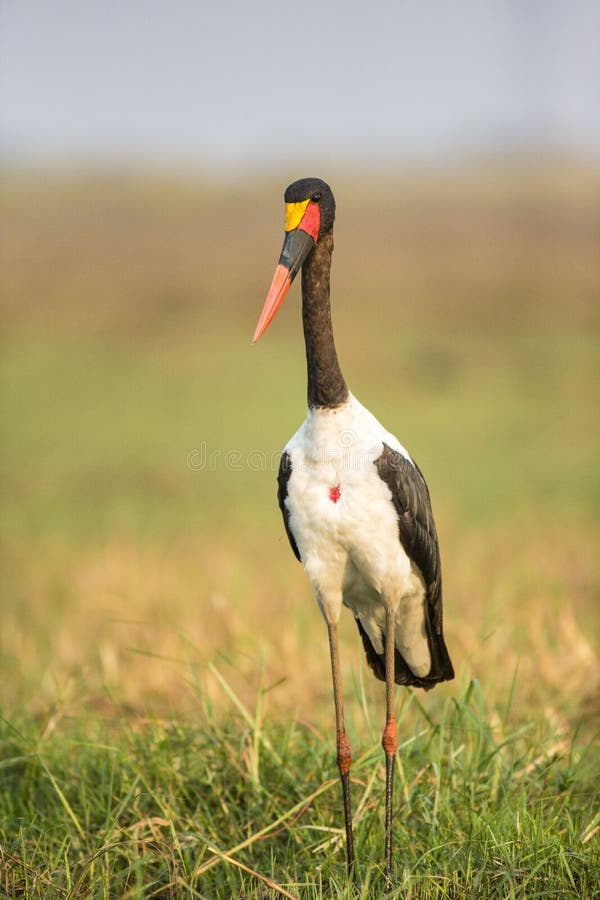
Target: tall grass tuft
x,y
236,805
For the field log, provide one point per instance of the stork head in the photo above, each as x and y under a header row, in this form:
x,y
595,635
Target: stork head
x,y
309,214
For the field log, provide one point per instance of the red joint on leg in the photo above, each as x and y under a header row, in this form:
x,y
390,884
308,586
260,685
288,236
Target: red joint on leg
x,y
389,741
344,756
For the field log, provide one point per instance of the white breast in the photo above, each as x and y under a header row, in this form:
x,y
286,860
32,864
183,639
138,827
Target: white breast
x,y
350,548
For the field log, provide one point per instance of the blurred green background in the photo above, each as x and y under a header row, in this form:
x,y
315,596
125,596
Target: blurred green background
x,y
141,429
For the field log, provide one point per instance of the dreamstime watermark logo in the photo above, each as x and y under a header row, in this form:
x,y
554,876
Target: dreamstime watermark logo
x,y
347,438
204,458
346,453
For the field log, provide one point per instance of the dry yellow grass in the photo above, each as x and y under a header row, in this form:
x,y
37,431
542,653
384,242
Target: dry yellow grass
x,y
138,623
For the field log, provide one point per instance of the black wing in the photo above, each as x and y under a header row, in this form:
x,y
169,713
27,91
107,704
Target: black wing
x,y
283,476
418,536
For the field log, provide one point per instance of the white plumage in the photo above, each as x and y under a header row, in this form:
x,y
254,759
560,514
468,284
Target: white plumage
x,y
349,547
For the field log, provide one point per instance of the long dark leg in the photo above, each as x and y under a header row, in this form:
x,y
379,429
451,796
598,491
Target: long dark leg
x,y
344,757
389,740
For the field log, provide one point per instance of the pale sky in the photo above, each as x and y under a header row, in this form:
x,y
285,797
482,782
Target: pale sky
x,y
244,83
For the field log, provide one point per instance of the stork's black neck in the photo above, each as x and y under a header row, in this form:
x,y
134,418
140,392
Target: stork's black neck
x,y
326,385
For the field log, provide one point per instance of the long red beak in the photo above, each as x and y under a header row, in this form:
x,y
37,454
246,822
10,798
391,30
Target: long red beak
x,y
279,288
296,247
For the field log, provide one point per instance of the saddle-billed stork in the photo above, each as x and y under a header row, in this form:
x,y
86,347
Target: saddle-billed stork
x,y
355,506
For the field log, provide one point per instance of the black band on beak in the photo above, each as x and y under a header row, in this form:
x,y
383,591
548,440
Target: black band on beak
x,y
296,247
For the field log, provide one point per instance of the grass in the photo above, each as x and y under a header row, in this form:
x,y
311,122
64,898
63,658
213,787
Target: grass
x,y
242,807
155,741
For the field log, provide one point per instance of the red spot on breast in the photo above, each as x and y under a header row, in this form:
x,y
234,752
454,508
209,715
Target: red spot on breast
x,y
334,493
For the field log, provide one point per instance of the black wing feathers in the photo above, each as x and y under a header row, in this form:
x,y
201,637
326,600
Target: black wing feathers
x,y
418,536
283,476
403,673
